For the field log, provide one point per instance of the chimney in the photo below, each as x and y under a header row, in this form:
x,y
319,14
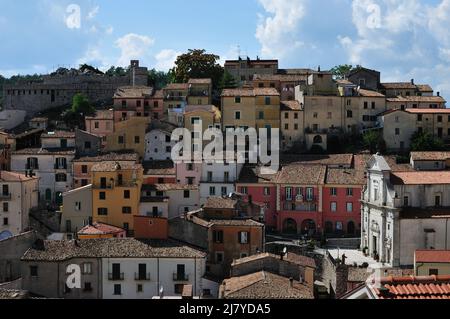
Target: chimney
x,y
438,93
291,282
318,69
412,81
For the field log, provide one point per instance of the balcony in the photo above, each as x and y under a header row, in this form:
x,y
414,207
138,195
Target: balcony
x,y
142,277
302,199
60,166
196,93
175,98
5,197
116,276
180,277
306,207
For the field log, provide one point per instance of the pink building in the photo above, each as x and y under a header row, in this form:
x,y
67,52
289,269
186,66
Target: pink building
x,y
102,124
299,205
258,185
189,173
159,172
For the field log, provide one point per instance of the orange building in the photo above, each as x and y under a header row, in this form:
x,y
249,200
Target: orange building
x,y
146,227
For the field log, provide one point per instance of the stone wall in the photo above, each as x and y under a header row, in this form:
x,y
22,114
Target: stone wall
x,y
11,250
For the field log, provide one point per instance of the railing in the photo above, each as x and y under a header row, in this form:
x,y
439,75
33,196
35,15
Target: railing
x,y
301,198
300,208
195,93
180,277
141,277
175,98
116,276
60,166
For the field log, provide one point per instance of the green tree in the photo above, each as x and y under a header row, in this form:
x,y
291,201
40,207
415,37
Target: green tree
x,y
228,81
197,64
116,71
89,68
341,71
425,141
372,140
158,79
81,105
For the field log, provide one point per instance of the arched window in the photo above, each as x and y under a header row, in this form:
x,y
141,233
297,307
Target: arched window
x,y
318,139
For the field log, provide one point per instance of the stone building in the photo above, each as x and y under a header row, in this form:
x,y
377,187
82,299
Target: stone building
x,y
59,88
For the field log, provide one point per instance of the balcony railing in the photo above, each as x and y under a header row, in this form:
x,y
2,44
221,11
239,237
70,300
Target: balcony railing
x,y
116,276
301,199
195,93
141,277
175,98
60,166
180,277
5,196
300,208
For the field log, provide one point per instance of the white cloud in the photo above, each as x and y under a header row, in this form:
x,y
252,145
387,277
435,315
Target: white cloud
x,y
93,12
165,59
109,29
133,46
276,30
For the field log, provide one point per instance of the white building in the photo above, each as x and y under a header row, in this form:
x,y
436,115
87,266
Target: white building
x,y
18,194
52,164
218,179
403,212
153,202
182,198
158,145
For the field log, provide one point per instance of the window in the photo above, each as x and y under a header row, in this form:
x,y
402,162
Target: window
x,y
315,115
96,125
437,201
366,105
61,177
288,193
286,127
87,145
195,120
32,163
349,207
117,290
102,196
309,193
87,268
209,176
87,286
333,191
261,115
244,237
349,191
439,119
224,191
333,207
373,105
267,100
237,115
296,127
212,191
406,201
266,191
5,221
219,257
397,131
218,236
102,211
433,272
237,99
339,226
137,140
84,169
120,139
329,115
5,207
139,288
78,206
419,118
286,115
190,167
187,194
349,114
126,210
33,271
226,177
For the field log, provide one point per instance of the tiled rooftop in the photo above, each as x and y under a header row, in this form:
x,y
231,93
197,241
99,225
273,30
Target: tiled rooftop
x,y
290,106
117,157
114,166
6,176
102,115
250,92
100,229
338,176
301,174
289,257
200,81
433,256
175,187
430,156
220,202
58,134
44,151
133,92
421,178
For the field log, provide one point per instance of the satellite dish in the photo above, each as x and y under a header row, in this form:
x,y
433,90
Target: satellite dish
x,y
284,250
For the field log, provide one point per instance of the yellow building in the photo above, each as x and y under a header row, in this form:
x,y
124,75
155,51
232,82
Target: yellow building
x,y
128,135
432,262
251,108
116,193
200,92
208,114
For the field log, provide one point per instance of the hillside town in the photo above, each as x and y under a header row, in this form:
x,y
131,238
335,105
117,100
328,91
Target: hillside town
x,y
354,204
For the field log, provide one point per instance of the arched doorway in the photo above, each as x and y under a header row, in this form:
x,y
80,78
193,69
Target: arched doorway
x,y
290,226
328,228
318,139
351,228
308,227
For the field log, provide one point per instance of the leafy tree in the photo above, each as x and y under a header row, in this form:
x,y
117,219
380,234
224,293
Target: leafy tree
x,y
374,141
197,64
81,105
158,79
341,71
425,141
116,71
228,81
89,68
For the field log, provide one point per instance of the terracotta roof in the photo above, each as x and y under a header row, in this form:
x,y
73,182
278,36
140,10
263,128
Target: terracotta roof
x,y
256,175
432,256
250,92
159,168
58,134
207,108
220,202
424,88
430,156
282,77
100,229
110,248
302,174
332,159
133,92
428,111
177,86
44,151
290,106
432,287
392,162
159,94
200,81
356,274
39,119
264,285
399,85
425,213
175,187
338,176
116,157
289,257
418,99
421,178
102,115
235,222
6,176
369,93
114,166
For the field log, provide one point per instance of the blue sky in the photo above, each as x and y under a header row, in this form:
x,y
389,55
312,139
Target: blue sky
x,y
402,38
